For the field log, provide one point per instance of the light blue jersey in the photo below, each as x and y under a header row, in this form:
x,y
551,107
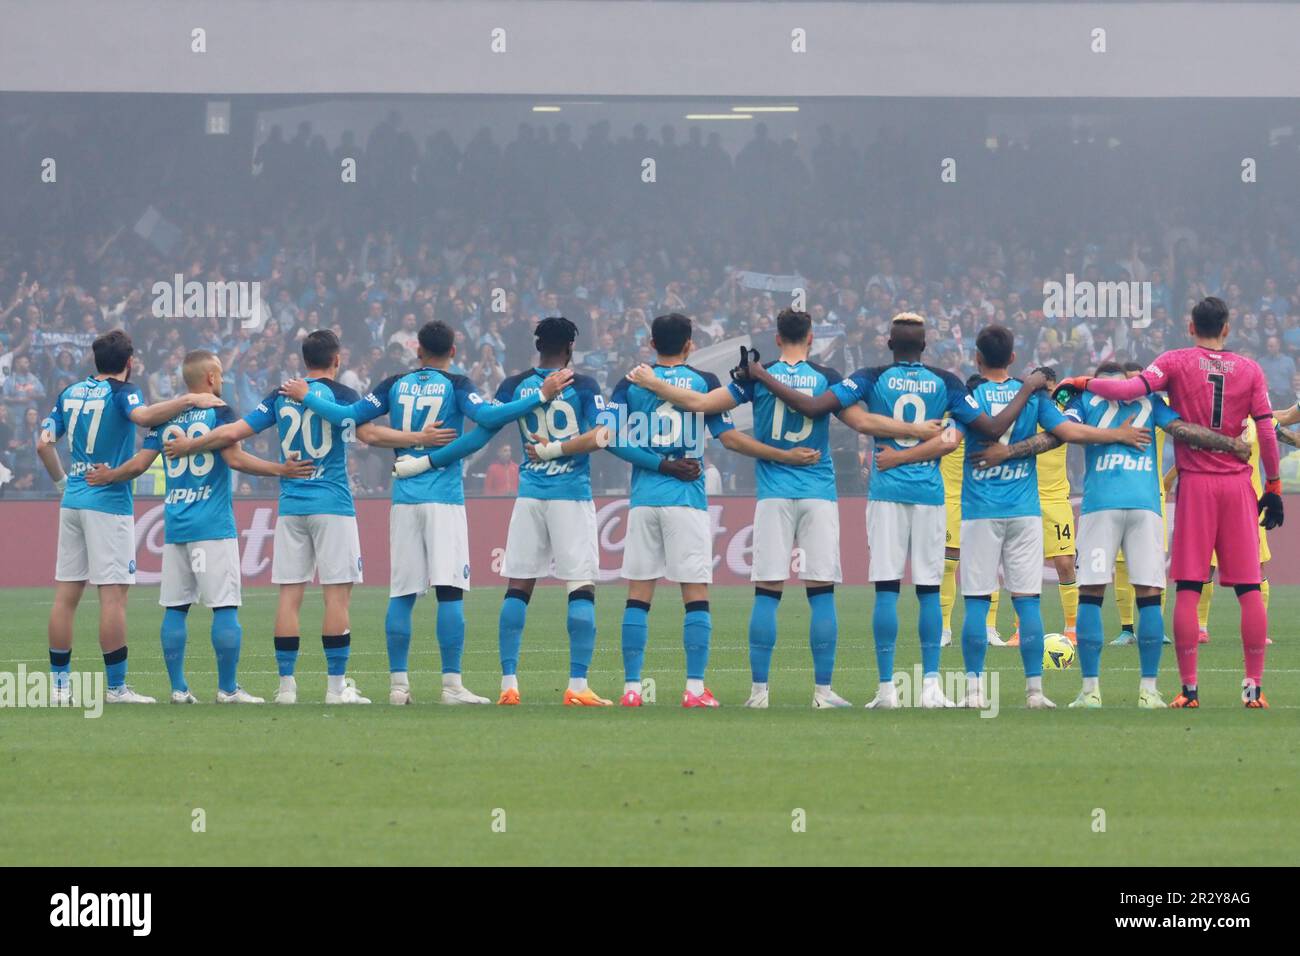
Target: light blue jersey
x,y
95,414
413,400
197,506
782,427
301,430
644,420
1118,476
1008,490
569,414
908,392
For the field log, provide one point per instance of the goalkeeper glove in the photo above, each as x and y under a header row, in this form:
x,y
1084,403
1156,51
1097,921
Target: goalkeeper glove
x,y
740,374
407,466
1068,389
549,451
1270,504
61,484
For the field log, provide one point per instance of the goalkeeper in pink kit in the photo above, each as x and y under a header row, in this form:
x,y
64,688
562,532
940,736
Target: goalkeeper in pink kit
x,y
1216,505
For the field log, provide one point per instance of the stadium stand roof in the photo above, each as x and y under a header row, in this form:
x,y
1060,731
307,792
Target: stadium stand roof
x,y
640,48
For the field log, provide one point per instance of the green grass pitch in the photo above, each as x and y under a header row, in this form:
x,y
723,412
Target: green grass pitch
x,y
434,785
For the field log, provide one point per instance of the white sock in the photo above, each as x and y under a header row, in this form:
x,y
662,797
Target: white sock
x,y
509,682
399,679
695,687
886,685
288,683
757,688
577,684
335,683
1034,685
451,681
1147,683
1091,685
632,687
930,680
822,690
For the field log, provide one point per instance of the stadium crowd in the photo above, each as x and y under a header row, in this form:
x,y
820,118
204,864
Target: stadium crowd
x,y
491,237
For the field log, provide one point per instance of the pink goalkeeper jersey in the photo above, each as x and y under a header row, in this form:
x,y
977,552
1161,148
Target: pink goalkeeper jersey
x,y
1220,390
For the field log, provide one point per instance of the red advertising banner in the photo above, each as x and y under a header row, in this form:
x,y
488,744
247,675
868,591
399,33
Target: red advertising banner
x,y
29,530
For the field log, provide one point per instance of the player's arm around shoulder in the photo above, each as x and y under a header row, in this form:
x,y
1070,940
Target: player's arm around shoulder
x,y
223,436
713,402
147,416
839,395
995,426
326,402
497,414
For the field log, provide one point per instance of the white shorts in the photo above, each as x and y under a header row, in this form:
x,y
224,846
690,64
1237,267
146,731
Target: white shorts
x,y
812,525
428,546
95,547
307,545
552,538
670,542
896,531
1015,543
201,572
1139,533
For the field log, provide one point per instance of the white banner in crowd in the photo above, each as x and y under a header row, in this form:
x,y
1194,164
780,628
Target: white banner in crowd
x,y
764,282
720,359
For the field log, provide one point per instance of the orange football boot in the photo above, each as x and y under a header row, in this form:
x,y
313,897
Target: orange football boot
x,y
1186,698
1252,696
509,697
585,698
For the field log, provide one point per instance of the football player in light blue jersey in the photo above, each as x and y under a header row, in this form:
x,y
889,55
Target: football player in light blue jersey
x,y
99,414
906,518
1001,515
797,503
427,532
316,530
669,533
553,524
1121,510
200,561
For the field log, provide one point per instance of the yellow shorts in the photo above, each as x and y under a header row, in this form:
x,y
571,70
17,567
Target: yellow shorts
x,y
953,537
1264,553
1058,529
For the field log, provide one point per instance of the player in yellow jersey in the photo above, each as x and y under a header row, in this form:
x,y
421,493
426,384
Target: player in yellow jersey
x,y
950,467
1251,436
1058,524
